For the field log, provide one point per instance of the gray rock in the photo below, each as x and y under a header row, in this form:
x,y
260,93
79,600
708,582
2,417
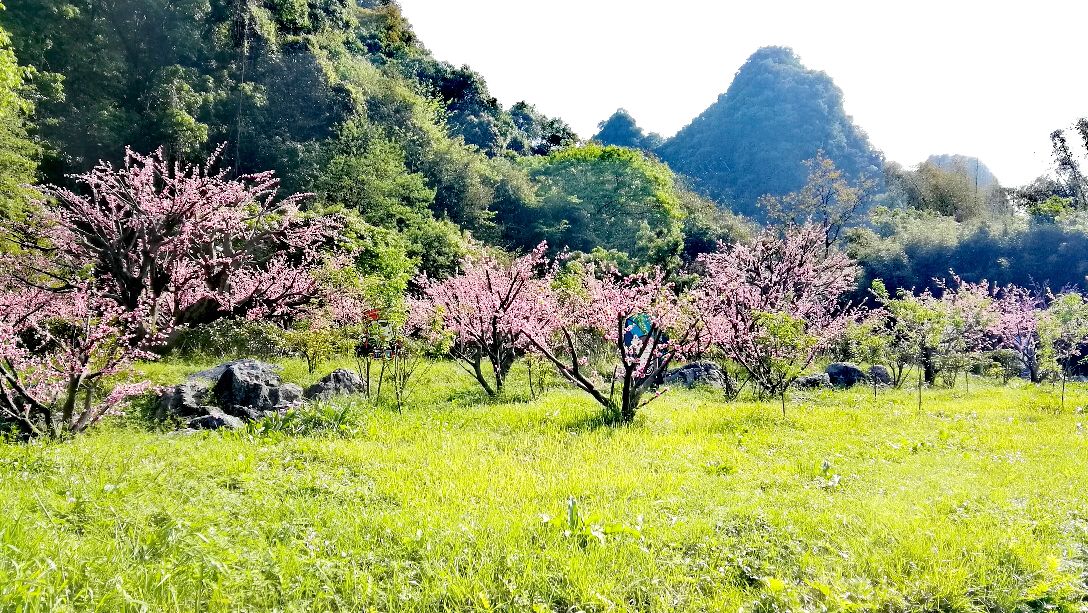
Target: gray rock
x,y
229,395
187,399
697,373
340,382
813,381
880,374
843,374
250,388
214,420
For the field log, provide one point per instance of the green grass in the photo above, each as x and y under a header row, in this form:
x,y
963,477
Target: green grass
x,y
979,503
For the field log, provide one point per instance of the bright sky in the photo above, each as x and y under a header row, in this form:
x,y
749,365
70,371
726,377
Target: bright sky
x,y
991,79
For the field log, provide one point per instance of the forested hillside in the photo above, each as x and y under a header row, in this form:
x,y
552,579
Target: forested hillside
x,y
342,101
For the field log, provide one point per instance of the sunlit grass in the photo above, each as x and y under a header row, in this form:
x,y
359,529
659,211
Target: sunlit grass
x,y
977,503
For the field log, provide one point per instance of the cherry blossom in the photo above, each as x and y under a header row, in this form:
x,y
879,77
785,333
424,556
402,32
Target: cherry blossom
x,y
644,326
485,309
184,243
1017,326
56,350
773,305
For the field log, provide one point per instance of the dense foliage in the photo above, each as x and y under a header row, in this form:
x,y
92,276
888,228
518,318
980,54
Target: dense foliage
x,y
18,153
609,198
621,130
327,95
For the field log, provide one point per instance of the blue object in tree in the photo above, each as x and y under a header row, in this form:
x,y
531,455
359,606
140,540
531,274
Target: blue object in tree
x,y
636,326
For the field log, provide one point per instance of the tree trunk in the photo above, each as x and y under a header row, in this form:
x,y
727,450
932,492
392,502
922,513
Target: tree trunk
x,y
629,397
501,362
478,370
929,366
72,396
919,390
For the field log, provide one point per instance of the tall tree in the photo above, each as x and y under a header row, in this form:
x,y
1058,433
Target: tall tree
x,y
18,153
827,200
607,197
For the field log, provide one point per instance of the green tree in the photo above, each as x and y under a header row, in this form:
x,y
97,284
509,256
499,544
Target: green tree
x,y
929,187
1063,330
611,198
18,153
366,173
538,134
621,130
827,200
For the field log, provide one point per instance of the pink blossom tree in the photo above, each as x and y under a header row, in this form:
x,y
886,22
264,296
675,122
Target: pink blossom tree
x,y
1017,326
485,309
970,318
943,330
774,304
56,351
639,322
182,244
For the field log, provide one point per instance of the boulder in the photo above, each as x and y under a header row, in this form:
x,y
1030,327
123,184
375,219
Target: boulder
x,y
250,389
229,395
189,399
214,420
843,374
813,381
880,374
697,373
340,382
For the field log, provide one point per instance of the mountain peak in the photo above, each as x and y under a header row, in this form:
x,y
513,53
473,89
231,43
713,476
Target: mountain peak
x,y
775,114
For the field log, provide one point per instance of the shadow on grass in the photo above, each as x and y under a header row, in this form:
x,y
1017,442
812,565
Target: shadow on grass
x,y
476,396
754,417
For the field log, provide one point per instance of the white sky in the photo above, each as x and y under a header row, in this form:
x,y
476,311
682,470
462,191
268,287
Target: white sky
x,y
991,79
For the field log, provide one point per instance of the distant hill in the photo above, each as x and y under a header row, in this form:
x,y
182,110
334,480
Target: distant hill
x,y
622,130
753,140
967,165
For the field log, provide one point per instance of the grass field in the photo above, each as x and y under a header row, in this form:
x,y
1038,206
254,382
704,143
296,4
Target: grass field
x,y
978,503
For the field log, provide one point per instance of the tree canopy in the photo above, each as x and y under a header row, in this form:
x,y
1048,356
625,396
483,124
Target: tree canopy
x,y
609,198
621,130
18,153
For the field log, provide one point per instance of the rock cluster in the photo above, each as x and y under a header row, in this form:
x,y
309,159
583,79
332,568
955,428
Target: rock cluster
x,y
697,373
337,383
231,394
844,374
